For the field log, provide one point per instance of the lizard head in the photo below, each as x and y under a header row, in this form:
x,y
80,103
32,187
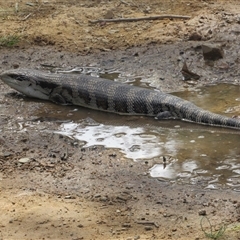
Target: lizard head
x,y
25,82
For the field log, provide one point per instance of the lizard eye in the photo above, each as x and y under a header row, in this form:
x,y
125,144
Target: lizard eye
x,y
18,77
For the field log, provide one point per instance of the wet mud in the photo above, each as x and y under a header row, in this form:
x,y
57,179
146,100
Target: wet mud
x,y
73,173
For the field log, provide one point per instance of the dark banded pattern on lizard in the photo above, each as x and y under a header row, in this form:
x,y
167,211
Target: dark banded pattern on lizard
x,y
110,96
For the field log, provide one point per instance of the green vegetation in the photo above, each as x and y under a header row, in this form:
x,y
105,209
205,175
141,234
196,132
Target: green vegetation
x,y
9,41
213,234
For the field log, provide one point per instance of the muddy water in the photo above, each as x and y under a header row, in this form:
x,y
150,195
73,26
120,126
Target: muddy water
x,y
175,151
208,157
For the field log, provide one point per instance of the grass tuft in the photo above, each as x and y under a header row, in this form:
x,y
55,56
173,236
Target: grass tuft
x,y
213,234
9,41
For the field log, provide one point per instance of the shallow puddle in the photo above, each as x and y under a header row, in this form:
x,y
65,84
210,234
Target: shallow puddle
x,y
207,157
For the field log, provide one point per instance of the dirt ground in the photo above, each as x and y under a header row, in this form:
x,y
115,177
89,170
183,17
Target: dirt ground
x,y
51,187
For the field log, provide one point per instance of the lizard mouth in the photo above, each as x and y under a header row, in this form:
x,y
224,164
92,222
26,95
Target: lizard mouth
x,y
25,85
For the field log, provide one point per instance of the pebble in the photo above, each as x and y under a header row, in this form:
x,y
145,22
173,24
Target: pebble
x,y
24,160
202,212
103,199
212,52
69,197
148,228
15,65
126,225
136,237
7,154
195,37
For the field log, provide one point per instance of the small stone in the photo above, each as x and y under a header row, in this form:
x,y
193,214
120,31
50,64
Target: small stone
x,y
24,160
126,225
212,52
136,237
113,154
202,212
7,154
103,199
148,228
15,65
69,197
109,14
195,37
80,225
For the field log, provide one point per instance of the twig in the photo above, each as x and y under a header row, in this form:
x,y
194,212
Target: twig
x,y
48,65
158,17
24,19
148,223
187,74
125,2
16,6
30,4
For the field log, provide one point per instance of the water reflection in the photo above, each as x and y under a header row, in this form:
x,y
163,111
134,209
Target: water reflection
x,y
133,142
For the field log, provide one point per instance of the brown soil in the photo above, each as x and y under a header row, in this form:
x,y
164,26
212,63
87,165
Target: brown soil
x,y
65,191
